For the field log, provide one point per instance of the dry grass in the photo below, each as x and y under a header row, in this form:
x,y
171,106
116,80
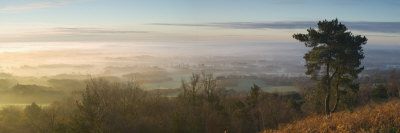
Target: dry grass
x,y
372,118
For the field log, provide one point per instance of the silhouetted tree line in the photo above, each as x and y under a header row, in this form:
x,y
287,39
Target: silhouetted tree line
x,y
123,107
105,107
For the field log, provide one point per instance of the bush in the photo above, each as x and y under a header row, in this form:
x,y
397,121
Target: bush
x,y
379,93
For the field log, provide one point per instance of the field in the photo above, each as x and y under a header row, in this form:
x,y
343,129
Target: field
x,y
279,89
18,105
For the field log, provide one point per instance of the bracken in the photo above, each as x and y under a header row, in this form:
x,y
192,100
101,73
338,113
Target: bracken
x,y
372,118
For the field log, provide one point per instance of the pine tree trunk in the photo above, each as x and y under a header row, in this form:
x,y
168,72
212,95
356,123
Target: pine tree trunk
x,y
327,110
337,98
328,90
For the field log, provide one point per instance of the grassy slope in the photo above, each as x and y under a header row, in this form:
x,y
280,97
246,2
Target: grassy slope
x,y
372,118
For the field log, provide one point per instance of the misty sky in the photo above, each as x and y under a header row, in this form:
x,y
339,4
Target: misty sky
x,y
41,24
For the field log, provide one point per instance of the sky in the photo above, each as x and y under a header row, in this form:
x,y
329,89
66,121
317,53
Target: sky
x,y
41,24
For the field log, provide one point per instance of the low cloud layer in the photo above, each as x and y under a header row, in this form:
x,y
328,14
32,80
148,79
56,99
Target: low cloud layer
x,y
94,30
382,27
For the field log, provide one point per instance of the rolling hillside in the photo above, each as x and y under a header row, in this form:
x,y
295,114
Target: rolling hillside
x,y
371,118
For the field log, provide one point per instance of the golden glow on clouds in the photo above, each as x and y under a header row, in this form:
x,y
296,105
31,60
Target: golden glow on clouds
x,y
34,5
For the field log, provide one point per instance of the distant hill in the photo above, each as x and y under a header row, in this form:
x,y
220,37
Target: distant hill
x,y
372,118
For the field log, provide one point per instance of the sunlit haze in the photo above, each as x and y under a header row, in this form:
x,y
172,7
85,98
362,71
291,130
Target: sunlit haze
x,y
134,28
199,66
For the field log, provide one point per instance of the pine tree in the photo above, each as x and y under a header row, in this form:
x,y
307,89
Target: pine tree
x,y
334,60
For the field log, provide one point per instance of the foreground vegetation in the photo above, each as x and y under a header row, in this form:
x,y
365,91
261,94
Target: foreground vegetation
x,y
371,118
123,107
203,106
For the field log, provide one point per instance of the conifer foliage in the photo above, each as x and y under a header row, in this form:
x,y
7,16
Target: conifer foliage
x,y
334,60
